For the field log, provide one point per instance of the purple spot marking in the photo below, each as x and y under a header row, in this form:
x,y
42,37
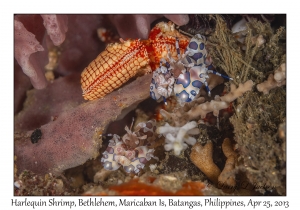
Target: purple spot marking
x,y
185,81
143,160
183,95
202,45
152,94
197,56
193,45
129,169
210,67
197,84
110,150
167,65
188,59
152,81
193,93
107,165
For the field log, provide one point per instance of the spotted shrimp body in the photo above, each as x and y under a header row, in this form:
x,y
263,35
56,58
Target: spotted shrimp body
x,y
162,82
196,50
132,150
190,71
189,83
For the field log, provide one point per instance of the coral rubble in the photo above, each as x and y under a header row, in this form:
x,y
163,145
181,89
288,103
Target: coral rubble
x,y
177,138
276,80
201,156
198,109
29,184
227,176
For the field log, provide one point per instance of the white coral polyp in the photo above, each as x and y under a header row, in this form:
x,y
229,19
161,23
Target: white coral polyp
x,y
177,138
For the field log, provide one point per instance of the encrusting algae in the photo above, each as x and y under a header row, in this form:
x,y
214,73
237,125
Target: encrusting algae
x,y
231,131
274,80
257,115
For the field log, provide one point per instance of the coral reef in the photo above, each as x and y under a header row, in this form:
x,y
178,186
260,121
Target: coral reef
x,y
257,117
204,97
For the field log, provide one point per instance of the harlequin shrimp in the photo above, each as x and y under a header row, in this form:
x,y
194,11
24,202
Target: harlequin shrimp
x,y
164,76
191,73
131,151
162,82
121,61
